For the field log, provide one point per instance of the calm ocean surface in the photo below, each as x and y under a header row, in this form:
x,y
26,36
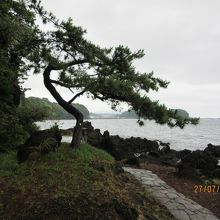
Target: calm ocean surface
x,y
191,137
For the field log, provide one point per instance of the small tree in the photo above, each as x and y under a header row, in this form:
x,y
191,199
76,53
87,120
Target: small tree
x,y
107,74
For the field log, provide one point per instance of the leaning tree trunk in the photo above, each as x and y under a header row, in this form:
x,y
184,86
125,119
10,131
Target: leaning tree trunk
x,y
77,133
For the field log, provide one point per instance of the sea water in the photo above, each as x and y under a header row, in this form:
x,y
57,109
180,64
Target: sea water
x,y
191,137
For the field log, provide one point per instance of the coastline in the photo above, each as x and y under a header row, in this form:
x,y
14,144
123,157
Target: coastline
x,y
191,137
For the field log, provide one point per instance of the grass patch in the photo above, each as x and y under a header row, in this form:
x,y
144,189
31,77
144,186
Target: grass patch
x,y
82,183
56,170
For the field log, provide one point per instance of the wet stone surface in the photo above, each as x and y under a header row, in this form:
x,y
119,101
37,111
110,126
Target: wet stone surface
x,y
181,207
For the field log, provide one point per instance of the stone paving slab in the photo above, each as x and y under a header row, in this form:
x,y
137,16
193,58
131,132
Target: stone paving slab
x,y
180,206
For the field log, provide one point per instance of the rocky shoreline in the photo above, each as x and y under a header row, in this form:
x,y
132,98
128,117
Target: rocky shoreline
x,y
134,150
131,151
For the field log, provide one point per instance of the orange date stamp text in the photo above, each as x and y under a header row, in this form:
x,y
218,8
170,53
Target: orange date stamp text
x,y
206,188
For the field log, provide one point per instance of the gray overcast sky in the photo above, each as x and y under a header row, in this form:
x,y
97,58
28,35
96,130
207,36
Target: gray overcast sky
x,y
181,40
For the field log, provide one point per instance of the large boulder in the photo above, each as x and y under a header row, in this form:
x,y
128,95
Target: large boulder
x,y
88,125
213,149
40,142
165,149
197,164
94,137
132,161
182,153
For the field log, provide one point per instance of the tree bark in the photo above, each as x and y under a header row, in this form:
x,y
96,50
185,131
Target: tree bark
x,y
77,133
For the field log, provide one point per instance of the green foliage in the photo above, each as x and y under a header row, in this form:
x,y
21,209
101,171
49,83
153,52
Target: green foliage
x,y
19,39
17,125
29,114
182,114
51,109
107,74
11,132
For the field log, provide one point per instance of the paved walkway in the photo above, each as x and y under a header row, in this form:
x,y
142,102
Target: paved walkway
x,y
181,207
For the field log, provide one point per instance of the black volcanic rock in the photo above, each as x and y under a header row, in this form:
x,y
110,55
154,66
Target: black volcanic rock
x,y
118,147
196,164
133,161
39,142
182,153
213,149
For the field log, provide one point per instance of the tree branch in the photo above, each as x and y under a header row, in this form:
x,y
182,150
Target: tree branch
x,y
77,95
61,65
102,98
76,62
71,90
60,83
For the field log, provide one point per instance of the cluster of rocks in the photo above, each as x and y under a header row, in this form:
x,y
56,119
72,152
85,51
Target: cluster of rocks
x,y
130,148
201,163
40,142
134,150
